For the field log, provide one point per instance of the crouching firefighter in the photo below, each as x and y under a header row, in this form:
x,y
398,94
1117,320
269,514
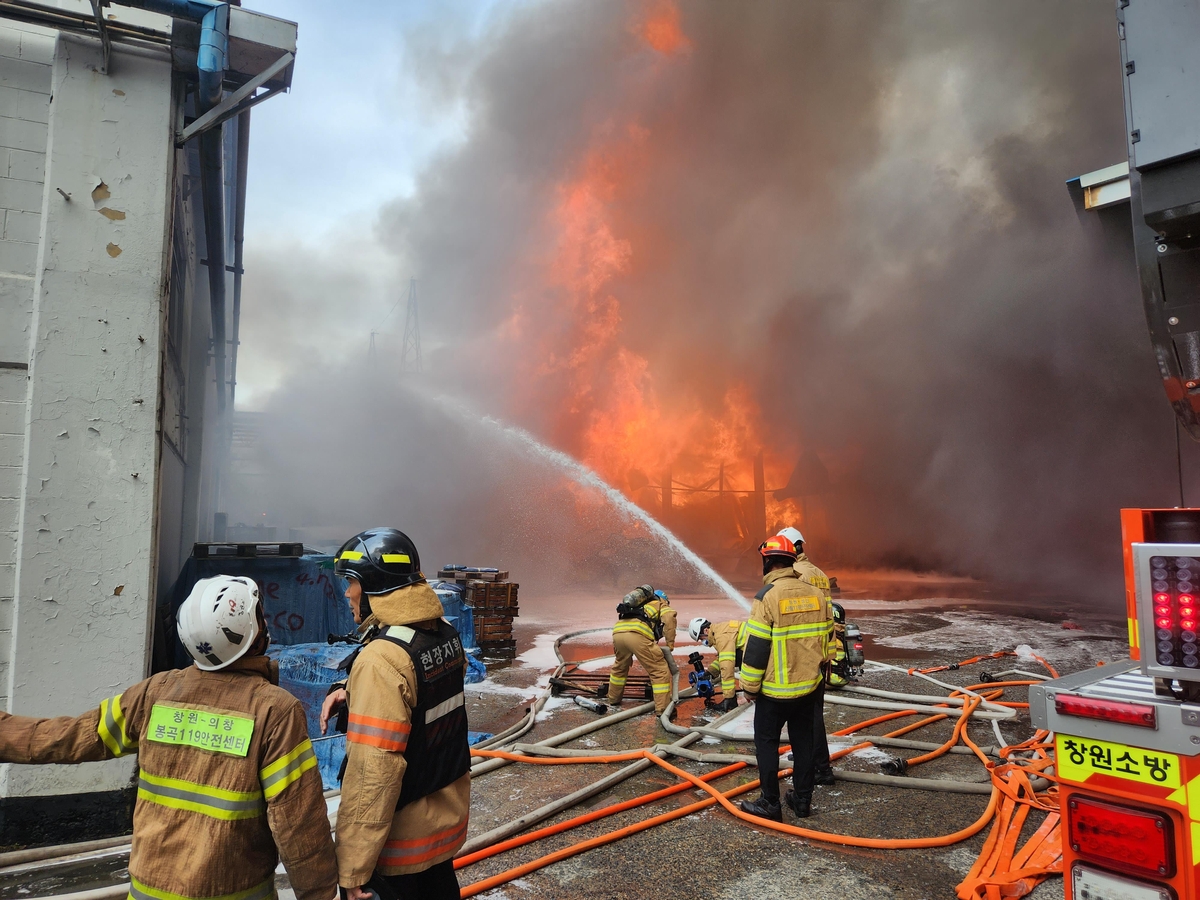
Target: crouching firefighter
x,y
226,773
644,617
406,792
729,640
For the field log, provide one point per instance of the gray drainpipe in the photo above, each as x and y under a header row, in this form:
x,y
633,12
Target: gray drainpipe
x,y
239,239
212,59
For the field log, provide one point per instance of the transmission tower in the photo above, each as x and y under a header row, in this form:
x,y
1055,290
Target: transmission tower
x,y
410,356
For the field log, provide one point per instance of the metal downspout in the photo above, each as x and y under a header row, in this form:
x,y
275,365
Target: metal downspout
x,y
239,237
212,58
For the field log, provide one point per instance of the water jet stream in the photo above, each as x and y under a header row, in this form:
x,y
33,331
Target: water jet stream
x,y
581,474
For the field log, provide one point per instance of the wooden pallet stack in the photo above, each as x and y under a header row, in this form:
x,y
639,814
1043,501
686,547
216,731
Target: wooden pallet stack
x,y
494,599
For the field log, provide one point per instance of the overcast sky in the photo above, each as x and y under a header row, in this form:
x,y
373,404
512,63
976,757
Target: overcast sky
x,y
367,109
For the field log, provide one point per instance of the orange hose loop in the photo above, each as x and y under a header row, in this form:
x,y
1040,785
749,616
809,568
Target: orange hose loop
x,y
521,840
487,884
968,708
842,839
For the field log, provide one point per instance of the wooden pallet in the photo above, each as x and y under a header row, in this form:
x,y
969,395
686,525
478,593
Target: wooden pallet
x,y
492,595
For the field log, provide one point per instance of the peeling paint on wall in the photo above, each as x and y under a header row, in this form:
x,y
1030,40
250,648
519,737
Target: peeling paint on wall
x,y
100,192
113,250
115,214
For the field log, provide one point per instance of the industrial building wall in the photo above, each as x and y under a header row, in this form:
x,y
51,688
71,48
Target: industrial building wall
x,y
89,310
26,54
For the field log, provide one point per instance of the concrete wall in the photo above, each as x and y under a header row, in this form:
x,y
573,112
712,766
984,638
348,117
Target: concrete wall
x,y
85,571
26,54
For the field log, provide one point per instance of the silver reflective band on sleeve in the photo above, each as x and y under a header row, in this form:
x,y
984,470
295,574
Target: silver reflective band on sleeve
x,y
444,707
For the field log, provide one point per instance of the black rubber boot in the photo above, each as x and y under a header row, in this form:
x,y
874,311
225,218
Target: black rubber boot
x,y
801,805
824,776
763,808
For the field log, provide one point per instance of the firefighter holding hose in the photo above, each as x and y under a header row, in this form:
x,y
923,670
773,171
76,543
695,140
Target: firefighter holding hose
x,y
406,793
787,643
729,640
644,617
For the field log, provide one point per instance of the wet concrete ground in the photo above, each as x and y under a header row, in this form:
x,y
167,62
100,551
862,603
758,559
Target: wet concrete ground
x,y
711,854
913,620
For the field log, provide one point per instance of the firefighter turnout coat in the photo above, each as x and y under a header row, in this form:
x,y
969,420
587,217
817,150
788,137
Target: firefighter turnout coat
x,y
788,637
226,774
810,574
639,637
729,640
406,793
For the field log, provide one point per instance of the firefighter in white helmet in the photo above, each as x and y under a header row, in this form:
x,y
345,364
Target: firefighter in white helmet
x,y
227,779
810,574
644,617
789,630
729,639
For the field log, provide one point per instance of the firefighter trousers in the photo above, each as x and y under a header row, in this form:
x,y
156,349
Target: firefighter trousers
x,y
435,883
770,716
820,741
627,645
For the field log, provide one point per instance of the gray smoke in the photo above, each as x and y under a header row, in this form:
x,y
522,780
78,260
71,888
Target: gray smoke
x,y
858,209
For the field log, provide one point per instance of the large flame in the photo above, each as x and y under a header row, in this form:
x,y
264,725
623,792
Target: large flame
x,y
605,401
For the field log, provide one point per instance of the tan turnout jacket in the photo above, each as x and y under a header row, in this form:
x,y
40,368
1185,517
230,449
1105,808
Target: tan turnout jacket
x,y
371,832
810,574
788,637
654,609
727,638
226,775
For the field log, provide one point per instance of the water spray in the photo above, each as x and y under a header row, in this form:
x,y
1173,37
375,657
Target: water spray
x,y
581,474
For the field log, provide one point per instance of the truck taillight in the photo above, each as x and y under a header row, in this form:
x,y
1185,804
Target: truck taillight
x,y
1139,841
1139,714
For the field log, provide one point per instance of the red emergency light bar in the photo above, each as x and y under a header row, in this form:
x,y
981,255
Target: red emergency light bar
x,y
1139,841
1138,714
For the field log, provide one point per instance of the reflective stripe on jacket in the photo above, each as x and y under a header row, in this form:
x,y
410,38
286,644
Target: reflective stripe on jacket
x,y
655,610
729,639
226,775
810,574
788,637
374,831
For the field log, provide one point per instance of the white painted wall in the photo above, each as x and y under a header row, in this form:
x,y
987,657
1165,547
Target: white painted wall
x,y
26,54
85,538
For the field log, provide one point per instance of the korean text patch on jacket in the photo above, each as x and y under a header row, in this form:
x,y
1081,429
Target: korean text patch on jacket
x,y
226,774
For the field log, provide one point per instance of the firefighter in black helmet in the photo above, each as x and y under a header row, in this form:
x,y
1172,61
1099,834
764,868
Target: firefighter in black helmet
x,y
380,560
407,788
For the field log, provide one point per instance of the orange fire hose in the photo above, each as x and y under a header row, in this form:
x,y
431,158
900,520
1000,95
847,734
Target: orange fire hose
x,y
1001,871
969,707
521,840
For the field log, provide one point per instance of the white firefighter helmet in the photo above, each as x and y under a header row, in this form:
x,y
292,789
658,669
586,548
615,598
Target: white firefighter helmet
x,y
696,626
218,622
793,535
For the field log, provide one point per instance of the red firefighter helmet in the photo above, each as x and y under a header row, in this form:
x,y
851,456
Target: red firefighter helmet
x,y
778,546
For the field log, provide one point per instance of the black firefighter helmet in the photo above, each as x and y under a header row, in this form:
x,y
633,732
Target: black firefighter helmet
x,y
381,559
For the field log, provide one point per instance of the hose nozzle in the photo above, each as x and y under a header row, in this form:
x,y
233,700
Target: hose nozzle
x,y
894,767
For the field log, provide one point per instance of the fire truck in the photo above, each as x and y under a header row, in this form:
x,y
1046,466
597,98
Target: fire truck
x,y
1127,737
